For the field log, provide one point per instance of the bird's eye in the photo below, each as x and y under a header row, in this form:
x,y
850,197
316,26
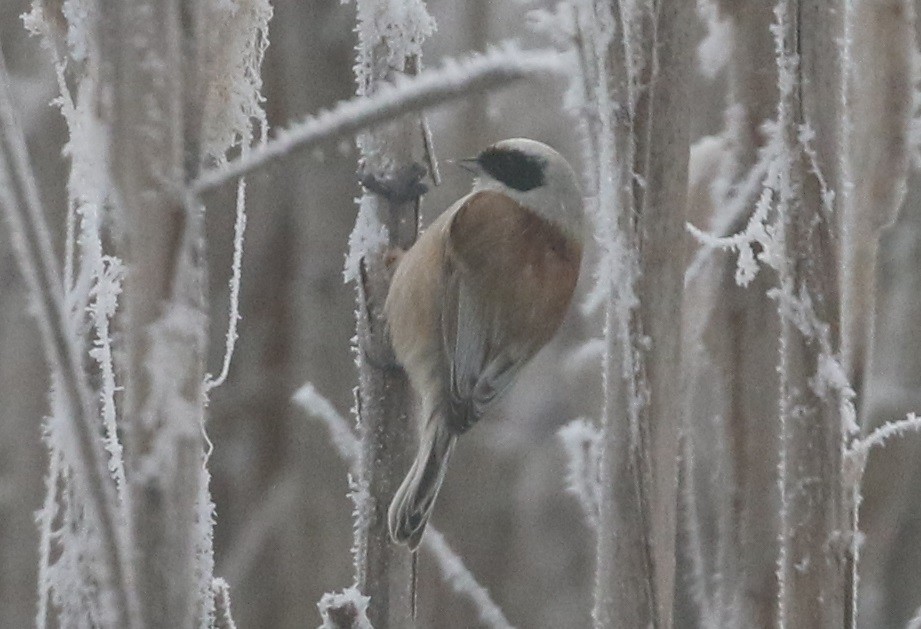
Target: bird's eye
x,y
514,168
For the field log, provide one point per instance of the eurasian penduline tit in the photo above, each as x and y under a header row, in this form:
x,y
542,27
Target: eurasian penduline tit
x,y
479,293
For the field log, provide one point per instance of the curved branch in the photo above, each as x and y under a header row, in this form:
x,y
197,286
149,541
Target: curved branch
x,y
454,79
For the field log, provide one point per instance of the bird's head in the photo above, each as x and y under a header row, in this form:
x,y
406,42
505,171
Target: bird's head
x,y
534,175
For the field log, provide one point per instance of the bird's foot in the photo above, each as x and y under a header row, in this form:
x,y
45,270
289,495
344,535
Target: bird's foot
x,y
380,359
401,186
375,346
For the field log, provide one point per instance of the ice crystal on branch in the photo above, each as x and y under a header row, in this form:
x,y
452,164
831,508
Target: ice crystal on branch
x,y
581,441
347,609
105,293
239,38
714,50
401,26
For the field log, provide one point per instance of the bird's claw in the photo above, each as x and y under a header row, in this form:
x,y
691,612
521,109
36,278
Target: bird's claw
x,y
375,346
401,186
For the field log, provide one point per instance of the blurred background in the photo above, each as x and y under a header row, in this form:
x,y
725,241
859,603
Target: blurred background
x,y
283,517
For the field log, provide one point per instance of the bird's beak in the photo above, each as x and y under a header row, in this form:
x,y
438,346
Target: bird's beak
x,y
469,164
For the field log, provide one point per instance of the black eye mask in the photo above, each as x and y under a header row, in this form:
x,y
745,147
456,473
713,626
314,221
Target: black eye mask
x,y
512,167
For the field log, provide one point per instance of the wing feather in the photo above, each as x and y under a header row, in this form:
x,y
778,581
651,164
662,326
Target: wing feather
x,y
509,277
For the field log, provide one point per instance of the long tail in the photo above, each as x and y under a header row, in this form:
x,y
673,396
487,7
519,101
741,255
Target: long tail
x,y
412,504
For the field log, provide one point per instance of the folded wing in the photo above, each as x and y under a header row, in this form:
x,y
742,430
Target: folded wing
x,y
509,279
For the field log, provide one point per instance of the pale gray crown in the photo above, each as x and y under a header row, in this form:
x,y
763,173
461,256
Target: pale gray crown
x,y
537,177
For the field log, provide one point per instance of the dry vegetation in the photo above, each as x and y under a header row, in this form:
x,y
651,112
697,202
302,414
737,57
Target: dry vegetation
x,y
700,447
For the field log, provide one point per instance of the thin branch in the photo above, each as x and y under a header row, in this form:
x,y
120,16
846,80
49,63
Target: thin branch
x,y
223,619
106,290
581,441
462,581
884,433
70,241
46,531
694,549
429,145
433,87
340,433
35,256
247,545
452,567
239,229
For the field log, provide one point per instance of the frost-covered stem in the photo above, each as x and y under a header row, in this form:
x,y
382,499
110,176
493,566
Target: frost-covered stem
x,y
35,256
693,549
45,528
462,581
151,109
817,533
581,442
236,273
70,241
623,579
383,569
881,102
743,331
223,619
636,542
782,566
432,87
452,566
107,280
657,331
882,434
389,46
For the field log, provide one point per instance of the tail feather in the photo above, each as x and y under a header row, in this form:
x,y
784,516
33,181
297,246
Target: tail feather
x,y
412,504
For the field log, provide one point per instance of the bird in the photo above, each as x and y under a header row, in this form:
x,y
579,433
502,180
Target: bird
x,y
483,289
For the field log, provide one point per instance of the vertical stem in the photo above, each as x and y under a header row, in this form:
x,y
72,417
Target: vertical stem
x,y
32,242
743,338
384,570
153,151
623,593
879,289
881,101
661,227
816,532
636,541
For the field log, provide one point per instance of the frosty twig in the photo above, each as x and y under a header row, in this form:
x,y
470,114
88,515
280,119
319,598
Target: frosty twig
x,y
431,87
32,242
452,566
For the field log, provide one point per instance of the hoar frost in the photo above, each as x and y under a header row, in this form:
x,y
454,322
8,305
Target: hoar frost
x,y
398,27
348,608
